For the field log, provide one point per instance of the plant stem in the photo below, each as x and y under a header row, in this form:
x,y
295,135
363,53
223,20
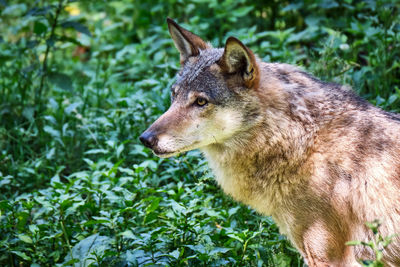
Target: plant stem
x,y
38,99
66,239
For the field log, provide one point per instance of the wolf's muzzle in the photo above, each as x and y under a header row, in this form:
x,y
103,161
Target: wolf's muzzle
x,y
148,139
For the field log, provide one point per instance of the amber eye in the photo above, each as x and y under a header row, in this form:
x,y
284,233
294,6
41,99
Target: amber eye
x,y
201,101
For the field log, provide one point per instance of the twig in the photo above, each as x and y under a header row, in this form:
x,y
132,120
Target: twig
x,y
66,239
46,54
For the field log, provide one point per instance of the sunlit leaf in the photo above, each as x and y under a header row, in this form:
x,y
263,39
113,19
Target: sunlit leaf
x,y
25,238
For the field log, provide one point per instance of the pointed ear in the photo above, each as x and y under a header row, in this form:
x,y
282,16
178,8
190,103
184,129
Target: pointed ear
x,y
188,44
238,58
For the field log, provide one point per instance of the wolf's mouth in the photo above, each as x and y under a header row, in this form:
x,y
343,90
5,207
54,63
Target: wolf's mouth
x,y
167,154
164,154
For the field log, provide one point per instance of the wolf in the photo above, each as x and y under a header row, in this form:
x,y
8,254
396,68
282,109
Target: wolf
x,y
313,155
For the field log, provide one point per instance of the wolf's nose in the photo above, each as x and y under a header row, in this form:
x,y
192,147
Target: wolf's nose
x,y
148,139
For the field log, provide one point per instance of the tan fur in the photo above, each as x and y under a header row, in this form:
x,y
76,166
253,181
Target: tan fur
x,y
314,156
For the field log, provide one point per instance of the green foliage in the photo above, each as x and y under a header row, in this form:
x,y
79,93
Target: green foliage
x,y
80,80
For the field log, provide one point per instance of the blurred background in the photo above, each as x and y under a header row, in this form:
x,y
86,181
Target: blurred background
x,y
80,80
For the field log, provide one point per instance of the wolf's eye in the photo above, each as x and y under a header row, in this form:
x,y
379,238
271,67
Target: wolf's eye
x,y
201,101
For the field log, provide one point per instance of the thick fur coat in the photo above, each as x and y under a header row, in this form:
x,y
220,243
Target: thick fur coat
x,y
317,158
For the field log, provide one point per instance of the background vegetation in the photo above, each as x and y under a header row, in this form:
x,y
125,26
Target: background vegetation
x,y
80,80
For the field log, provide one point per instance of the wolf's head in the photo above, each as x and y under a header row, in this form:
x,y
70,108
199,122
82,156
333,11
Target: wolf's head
x,y
211,98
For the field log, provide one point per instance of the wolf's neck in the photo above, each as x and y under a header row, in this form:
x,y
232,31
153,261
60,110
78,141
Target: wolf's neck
x,y
255,167
274,148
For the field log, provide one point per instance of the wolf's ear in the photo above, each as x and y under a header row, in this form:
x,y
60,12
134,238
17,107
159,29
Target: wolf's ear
x,y
188,44
238,58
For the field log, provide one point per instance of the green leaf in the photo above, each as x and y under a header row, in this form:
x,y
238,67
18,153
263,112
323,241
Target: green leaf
x,y
25,238
15,10
39,11
50,153
77,26
72,107
39,28
236,237
197,248
4,58
153,206
328,4
69,39
218,250
33,228
175,253
240,12
4,204
22,255
120,148
84,249
128,234
4,181
61,80
96,151
392,99
22,219
29,113
92,222
50,130
292,7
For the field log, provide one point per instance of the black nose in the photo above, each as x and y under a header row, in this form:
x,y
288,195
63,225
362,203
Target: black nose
x,y
148,139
